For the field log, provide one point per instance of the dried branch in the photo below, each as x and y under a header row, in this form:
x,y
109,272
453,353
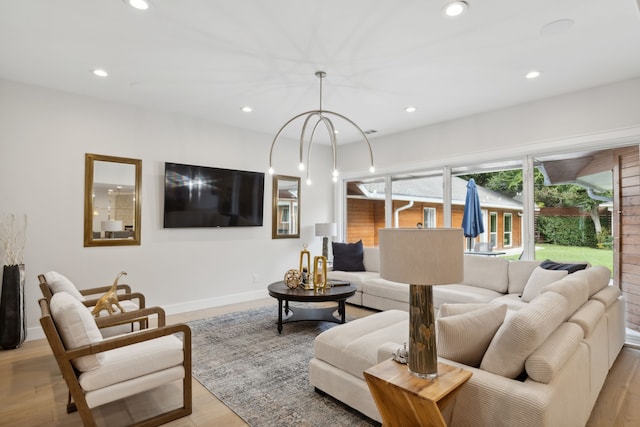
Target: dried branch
x,y
13,237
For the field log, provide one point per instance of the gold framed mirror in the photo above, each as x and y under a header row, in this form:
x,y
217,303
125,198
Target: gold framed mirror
x,y
286,207
112,187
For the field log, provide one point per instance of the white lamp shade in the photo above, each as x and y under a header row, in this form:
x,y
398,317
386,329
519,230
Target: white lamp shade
x,y
328,229
111,225
431,256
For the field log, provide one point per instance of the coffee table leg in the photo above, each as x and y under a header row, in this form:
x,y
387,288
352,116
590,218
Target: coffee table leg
x,y
342,311
286,307
280,315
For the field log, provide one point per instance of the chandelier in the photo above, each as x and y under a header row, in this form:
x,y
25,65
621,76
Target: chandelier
x,y
317,117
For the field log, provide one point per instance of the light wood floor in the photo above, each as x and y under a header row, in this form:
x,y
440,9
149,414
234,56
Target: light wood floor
x,y
33,393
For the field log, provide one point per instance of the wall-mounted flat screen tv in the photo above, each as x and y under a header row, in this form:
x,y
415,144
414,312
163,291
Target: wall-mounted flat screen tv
x,y
200,196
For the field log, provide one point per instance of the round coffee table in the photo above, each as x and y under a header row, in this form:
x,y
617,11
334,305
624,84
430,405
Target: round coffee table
x,y
283,293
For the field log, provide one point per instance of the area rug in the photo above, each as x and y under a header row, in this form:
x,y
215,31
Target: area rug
x,y
263,376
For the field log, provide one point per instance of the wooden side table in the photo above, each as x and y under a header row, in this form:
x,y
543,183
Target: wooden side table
x,y
405,400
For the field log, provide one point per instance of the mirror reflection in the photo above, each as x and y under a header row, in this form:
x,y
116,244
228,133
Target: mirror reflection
x,y
286,213
112,202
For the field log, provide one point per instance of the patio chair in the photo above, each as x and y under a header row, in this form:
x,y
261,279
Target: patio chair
x,y
53,282
99,371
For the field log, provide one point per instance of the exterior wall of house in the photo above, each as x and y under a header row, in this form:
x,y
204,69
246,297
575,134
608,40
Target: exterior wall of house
x,y
365,217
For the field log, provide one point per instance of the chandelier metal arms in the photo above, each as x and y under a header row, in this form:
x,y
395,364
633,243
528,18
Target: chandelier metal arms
x,y
321,117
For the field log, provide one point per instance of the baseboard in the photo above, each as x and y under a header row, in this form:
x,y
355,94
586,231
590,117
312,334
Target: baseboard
x,y
185,307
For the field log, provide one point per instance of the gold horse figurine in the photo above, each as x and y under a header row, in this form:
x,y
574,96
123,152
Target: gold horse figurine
x,y
108,300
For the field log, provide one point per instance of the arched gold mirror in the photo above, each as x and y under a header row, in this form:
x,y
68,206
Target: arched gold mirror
x,y
286,207
112,188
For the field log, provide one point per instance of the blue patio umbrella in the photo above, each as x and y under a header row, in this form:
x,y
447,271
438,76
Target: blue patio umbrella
x,y
472,224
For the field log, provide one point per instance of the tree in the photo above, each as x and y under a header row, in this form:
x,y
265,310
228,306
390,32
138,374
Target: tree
x,y
509,183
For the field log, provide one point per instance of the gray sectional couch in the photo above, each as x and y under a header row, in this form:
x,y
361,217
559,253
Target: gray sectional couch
x,y
544,365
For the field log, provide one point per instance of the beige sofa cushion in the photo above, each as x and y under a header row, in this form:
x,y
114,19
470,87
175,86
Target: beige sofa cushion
x,y
522,332
573,288
353,347
607,296
597,277
540,278
384,288
588,316
454,294
77,328
547,361
356,278
486,272
519,273
371,258
464,338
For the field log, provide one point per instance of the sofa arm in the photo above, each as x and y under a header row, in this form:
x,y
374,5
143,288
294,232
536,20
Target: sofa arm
x,y
492,400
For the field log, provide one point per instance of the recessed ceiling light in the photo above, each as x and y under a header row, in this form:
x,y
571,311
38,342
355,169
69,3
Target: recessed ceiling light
x,y
455,8
247,109
410,109
138,4
100,72
533,74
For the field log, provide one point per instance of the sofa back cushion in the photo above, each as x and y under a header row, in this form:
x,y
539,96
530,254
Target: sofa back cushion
x,y
574,289
371,258
464,337
519,273
597,277
486,272
538,280
522,332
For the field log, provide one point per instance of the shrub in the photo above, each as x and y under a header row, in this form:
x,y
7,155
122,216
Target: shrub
x,y
568,231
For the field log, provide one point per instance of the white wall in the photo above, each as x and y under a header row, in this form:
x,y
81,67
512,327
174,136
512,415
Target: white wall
x,y
44,135
590,119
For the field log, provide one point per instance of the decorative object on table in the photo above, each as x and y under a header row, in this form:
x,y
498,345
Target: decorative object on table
x,y
422,258
305,255
13,329
108,300
320,116
326,230
401,355
293,278
319,272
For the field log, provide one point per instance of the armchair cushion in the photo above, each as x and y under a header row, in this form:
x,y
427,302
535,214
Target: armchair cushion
x,y
132,361
59,283
77,327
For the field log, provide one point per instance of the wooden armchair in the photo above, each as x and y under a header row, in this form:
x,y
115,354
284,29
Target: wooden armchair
x,y
89,297
98,371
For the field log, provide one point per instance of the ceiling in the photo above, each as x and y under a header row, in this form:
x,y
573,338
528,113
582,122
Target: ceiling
x,y
209,58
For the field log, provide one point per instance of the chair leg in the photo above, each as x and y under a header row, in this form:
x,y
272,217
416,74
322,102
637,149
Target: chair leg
x,y
71,406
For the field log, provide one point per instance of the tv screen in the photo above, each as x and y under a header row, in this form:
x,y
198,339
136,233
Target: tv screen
x,y
199,196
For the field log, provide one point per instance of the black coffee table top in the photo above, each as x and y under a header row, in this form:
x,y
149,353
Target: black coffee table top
x,y
280,290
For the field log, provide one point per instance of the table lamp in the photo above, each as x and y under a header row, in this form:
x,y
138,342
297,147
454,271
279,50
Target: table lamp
x,y
326,230
423,258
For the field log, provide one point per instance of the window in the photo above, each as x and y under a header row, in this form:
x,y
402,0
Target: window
x,y
429,218
508,229
493,229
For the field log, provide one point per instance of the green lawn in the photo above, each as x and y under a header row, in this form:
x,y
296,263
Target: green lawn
x,y
573,253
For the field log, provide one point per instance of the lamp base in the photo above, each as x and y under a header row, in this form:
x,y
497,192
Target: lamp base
x,y
325,247
423,355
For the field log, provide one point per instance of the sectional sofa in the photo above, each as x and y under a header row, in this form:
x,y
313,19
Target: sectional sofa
x,y
539,342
